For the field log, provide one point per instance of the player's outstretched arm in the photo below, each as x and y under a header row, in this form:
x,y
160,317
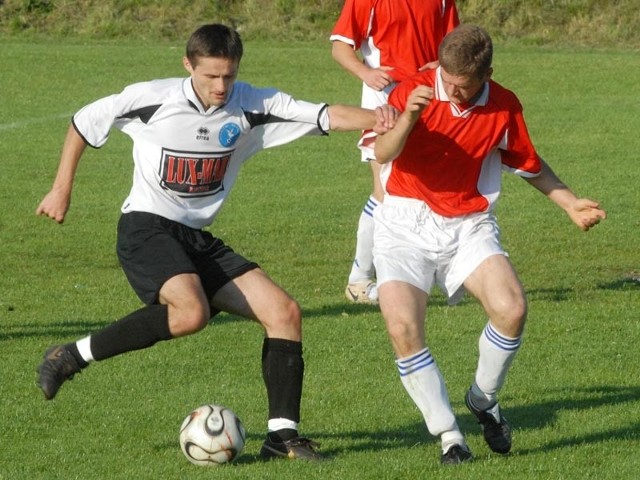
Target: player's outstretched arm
x,y
585,213
348,117
389,145
56,203
345,55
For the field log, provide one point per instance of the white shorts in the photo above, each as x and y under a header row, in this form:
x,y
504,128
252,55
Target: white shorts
x,y
415,245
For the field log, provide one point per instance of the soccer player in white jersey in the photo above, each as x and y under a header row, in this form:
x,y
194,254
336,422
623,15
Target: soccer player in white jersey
x,y
190,137
395,39
442,164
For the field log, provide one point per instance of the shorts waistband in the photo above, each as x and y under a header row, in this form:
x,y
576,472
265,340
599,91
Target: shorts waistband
x,y
404,201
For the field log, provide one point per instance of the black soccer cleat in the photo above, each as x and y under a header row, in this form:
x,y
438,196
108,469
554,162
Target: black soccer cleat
x,y
495,428
58,365
456,454
296,448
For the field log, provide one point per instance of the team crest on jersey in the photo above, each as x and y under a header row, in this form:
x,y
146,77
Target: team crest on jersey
x,y
193,174
229,133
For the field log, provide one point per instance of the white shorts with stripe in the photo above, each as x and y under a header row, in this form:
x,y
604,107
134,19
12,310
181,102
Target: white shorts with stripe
x,y
415,245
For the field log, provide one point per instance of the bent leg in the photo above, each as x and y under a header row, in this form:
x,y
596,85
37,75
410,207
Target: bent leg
x,y
183,310
255,296
495,284
404,307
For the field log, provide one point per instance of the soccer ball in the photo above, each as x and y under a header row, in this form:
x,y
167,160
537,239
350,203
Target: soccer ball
x,y
212,435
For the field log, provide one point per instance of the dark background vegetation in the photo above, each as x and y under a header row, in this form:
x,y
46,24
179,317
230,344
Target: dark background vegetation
x,y
588,23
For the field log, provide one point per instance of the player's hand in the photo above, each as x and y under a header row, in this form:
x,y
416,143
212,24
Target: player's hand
x,y
378,78
386,118
54,205
429,66
418,99
586,213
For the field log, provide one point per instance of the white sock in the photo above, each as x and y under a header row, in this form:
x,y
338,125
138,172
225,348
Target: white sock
x,y
423,381
275,424
84,347
497,351
362,268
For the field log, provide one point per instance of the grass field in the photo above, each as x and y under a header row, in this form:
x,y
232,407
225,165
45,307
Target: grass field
x,y
573,394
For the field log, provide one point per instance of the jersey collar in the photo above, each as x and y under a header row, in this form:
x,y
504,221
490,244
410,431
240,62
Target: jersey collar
x,y
459,110
194,101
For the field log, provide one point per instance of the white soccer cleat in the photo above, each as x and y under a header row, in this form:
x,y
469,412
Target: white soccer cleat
x,y
362,292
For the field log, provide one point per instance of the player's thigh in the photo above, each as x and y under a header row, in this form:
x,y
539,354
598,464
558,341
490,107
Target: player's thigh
x,y
255,296
496,285
403,307
183,292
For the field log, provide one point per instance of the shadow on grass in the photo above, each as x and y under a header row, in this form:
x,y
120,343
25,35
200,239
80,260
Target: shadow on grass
x,y
544,414
525,417
629,282
61,330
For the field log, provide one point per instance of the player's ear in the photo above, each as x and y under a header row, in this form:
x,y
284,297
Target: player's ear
x,y
187,64
489,73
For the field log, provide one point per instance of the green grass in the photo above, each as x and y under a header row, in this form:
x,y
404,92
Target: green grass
x,y
573,394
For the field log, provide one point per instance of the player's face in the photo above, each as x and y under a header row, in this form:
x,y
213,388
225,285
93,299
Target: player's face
x,y
212,79
461,89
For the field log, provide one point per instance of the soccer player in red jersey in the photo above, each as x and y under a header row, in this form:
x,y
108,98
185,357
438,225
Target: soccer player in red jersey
x,y
395,39
442,164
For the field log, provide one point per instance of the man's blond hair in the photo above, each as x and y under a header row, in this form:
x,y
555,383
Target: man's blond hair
x,y
466,51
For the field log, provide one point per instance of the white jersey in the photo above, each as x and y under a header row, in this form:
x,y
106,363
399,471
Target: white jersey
x,y
187,159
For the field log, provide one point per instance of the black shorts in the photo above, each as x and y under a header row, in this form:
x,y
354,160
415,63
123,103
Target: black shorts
x,y
153,249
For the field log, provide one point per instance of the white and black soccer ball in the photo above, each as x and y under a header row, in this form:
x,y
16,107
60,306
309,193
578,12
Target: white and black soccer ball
x,y
212,435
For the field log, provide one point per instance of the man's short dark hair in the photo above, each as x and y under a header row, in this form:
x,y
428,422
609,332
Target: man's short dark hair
x,y
214,40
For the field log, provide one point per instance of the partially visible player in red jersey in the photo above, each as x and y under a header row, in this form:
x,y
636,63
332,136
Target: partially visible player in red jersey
x,y
441,172
395,39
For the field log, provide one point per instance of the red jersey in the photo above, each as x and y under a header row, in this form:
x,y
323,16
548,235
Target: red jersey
x,y
453,158
404,34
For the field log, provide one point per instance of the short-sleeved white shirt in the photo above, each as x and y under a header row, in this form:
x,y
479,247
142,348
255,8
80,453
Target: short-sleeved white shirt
x,y
187,159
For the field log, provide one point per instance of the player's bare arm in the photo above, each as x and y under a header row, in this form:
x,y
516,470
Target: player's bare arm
x,y
347,117
389,145
585,213
56,203
346,56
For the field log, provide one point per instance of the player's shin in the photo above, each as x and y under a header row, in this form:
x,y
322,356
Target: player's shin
x,y
496,353
423,381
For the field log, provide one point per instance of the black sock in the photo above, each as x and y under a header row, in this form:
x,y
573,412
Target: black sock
x,y
140,329
282,371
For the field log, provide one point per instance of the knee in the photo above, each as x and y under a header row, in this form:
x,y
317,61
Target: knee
x,y
185,321
398,330
511,316
290,315
285,321
405,335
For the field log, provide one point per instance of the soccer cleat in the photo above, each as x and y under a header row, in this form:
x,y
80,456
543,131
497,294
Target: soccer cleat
x,y
456,454
296,448
495,428
362,292
58,365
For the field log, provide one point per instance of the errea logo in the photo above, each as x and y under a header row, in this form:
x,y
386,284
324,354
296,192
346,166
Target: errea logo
x,y
203,134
